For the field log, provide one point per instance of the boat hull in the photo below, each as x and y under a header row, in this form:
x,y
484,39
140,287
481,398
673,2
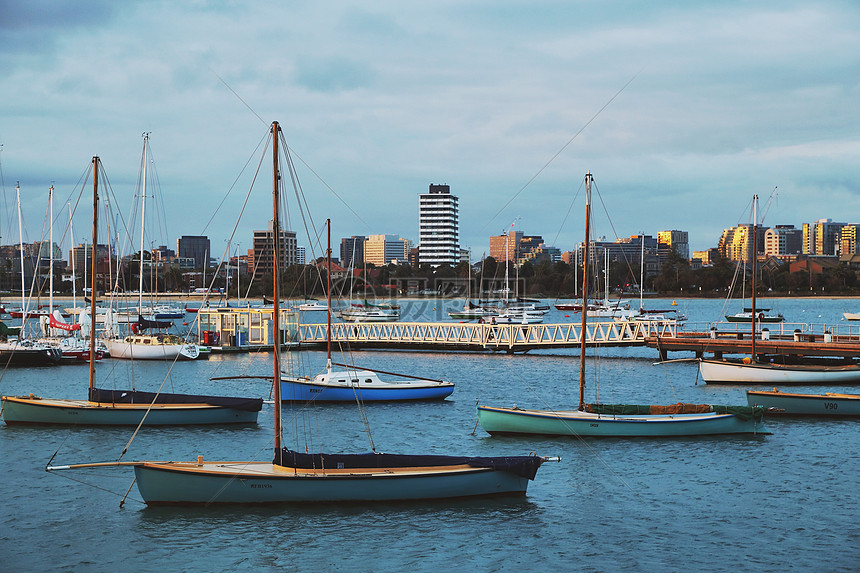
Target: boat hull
x,y
26,410
787,404
22,356
301,390
127,350
723,372
265,483
576,423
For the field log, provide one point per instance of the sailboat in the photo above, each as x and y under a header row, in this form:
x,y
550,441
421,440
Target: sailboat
x,y
829,404
293,477
139,345
126,407
21,351
353,383
754,370
619,420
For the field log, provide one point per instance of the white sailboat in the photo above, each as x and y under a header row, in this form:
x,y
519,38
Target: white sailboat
x,y
356,383
139,345
294,477
753,370
619,420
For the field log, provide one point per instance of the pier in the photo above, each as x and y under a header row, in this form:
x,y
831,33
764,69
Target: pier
x,y
477,337
804,340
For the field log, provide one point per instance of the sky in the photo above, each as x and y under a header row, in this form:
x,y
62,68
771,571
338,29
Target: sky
x,y
680,110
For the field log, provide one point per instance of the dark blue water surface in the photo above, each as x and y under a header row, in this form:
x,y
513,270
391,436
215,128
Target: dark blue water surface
x,y
788,501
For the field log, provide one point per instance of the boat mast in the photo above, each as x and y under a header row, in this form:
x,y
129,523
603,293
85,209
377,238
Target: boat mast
x,y
142,218
74,272
93,270
51,248
641,271
21,243
588,179
276,303
754,249
328,296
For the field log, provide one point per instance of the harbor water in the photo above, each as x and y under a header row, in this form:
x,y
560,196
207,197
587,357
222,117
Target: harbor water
x,y
785,501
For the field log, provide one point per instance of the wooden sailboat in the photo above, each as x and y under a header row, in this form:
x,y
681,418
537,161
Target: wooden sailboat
x,y
301,477
126,407
355,383
619,420
753,370
139,345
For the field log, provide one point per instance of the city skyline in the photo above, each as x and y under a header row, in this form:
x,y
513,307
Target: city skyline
x,y
509,105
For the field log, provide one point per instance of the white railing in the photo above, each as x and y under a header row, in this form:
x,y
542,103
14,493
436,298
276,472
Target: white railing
x,y
486,336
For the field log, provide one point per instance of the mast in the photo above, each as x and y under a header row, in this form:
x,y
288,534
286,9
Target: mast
x,y
142,219
276,303
754,249
328,297
641,271
21,243
588,179
74,273
51,248
93,270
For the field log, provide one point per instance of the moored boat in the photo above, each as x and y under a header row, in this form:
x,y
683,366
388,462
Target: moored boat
x,y
619,420
747,371
830,404
125,407
355,383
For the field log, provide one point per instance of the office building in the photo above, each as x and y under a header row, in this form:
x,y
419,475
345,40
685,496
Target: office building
x,y
381,250
195,247
352,251
262,260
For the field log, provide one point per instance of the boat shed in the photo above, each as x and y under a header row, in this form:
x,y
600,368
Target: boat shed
x,y
244,329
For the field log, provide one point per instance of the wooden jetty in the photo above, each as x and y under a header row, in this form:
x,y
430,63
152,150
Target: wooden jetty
x,y
461,336
798,343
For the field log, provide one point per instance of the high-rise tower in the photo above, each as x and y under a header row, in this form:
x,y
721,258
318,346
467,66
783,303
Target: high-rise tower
x,y
438,227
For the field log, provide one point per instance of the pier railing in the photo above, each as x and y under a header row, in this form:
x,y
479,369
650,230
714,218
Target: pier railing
x,y
477,336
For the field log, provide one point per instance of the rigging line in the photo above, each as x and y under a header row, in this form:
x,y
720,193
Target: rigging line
x,y
230,190
237,95
559,152
327,186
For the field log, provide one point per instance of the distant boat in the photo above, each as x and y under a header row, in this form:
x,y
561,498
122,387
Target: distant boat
x,y
851,315
747,316
367,312
830,404
312,306
28,353
619,420
471,312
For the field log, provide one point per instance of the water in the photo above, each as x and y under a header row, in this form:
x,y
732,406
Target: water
x,y
788,501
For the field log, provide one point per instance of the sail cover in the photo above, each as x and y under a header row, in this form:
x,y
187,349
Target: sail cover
x,y
523,466
143,323
137,397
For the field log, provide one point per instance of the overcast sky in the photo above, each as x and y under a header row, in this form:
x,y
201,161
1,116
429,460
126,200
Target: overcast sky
x,y
380,99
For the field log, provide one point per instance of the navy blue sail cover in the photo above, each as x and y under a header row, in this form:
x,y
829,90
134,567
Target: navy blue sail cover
x,y
138,397
523,466
144,323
